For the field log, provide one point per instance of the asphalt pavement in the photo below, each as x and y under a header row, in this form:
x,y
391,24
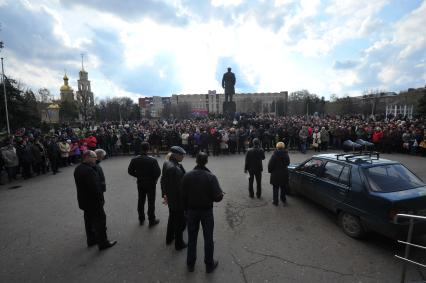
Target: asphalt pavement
x,y
42,235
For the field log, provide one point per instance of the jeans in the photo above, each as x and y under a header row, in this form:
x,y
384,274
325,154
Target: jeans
x,y
258,176
205,216
276,190
303,147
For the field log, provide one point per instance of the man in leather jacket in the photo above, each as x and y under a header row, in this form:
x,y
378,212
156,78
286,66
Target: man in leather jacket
x,y
171,177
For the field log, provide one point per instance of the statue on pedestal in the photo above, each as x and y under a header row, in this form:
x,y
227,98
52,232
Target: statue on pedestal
x,y
228,83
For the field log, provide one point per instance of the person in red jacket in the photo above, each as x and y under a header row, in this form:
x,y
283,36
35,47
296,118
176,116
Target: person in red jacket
x,y
91,142
377,138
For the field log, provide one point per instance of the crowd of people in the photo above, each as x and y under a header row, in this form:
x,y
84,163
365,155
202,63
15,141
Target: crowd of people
x,y
30,152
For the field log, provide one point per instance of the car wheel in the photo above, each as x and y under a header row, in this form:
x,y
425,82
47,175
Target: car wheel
x,y
351,225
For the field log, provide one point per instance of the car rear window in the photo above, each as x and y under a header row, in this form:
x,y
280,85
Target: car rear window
x,y
391,178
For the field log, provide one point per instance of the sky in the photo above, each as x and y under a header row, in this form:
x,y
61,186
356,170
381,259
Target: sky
x,y
164,47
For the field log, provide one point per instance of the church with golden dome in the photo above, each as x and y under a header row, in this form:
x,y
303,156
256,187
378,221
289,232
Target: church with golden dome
x,y
67,93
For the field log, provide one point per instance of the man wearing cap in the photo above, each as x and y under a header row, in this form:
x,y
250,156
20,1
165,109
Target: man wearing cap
x,y
171,177
91,201
145,168
200,188
253,166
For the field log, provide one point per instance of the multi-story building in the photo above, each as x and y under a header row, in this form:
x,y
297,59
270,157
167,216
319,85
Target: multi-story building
x,y
212,102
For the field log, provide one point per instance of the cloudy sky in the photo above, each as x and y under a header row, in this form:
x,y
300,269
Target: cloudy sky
x,y
160,47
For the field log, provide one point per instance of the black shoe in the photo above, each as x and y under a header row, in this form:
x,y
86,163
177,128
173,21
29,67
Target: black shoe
x,y
169,242
251,195
211,268
107,245
141,222
284,203
153,223
190,268
91,243
181,246
275,203
258,196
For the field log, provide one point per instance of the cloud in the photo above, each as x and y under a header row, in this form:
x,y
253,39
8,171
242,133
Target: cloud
x,y
160,47
161,11
348,64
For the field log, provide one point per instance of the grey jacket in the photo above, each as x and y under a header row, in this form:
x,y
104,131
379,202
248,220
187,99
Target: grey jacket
x,y
9,156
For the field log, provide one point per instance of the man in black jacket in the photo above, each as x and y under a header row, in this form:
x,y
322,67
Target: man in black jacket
x,y
54,154
199,189
253,166
171,177
91,201
145,168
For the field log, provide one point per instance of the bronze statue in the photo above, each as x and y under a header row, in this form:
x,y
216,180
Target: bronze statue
x,y
228,83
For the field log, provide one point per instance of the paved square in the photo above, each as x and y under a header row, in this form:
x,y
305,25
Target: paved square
x,y
42,235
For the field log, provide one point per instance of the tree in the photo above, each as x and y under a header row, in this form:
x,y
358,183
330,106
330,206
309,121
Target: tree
x,y
22,106
421,106
44,95
68,111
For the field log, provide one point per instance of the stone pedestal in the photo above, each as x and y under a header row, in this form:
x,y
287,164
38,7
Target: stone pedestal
x,y
229,109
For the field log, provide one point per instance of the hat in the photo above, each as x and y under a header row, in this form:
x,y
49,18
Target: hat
x,y
178,150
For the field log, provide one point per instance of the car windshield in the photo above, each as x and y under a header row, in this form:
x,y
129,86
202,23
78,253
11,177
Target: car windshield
x,y
391,178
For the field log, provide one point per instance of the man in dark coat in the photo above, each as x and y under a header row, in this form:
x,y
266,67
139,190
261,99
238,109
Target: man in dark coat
x,y
277,166
200,188
171,177
54,154
253,166
145,168
26,158
91,201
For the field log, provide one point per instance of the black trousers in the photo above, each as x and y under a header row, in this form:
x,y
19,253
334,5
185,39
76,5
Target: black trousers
x,y
258,176
205,217
26,170
146,191
95,224
175,227
281,190
54,164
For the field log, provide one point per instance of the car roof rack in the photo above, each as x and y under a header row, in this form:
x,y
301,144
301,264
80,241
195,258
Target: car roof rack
x,y
362,156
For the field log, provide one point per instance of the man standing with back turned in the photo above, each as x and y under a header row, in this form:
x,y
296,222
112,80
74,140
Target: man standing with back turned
x,y
253,165
228,83
200,188
145,168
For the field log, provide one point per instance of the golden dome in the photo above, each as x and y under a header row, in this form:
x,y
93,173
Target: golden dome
x,y
66,88
53,106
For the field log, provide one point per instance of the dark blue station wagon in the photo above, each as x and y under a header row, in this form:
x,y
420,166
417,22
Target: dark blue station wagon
x,y
364,190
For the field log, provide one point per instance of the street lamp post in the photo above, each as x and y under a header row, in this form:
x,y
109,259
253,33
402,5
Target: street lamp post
x,y
5,96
